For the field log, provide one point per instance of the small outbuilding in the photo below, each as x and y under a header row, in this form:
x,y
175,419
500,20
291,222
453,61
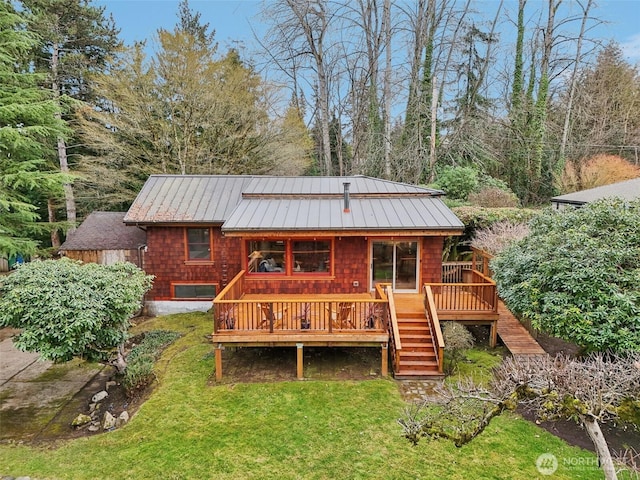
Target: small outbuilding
x,y
627,190
104,238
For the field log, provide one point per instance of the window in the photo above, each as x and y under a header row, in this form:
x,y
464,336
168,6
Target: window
x,y
311,256
290,257
198,244
205,291
267,256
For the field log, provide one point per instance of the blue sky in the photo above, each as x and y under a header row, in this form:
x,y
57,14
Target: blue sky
x,y
234,20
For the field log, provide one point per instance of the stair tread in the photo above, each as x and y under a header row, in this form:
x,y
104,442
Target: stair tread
x,y
408,353
418,363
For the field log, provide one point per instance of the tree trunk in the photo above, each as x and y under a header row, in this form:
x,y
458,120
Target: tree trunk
x,y
602,449
120,362
55,235
386,19
432,141
62,146
572,86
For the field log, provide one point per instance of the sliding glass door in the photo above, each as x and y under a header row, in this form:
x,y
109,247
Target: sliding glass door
x,y
396,263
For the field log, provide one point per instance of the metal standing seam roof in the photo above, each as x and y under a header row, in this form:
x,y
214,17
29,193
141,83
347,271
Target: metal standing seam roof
x,y
104,231
387,213
255,203
627,190
187,199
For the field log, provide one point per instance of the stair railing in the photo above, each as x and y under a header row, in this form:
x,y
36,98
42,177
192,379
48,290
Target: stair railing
x,y
434,325
395,344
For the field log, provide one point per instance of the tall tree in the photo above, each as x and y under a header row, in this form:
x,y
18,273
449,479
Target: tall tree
x,y
77,40
28,122
299,29
187,110
605,114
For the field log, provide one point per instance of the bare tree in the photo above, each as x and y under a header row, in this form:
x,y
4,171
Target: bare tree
x,y
588,391
299,30
574,79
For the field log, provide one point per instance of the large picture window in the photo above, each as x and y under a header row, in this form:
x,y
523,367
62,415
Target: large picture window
x,y
267,256
198,244
289,257
311,256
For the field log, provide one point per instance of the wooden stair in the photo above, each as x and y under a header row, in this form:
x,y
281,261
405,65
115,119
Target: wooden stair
x,y
418,358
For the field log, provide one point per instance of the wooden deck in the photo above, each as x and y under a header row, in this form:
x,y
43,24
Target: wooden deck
x,y
514,335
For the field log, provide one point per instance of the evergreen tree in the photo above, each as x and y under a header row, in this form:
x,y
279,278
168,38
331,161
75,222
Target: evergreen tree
x,y
77,41
28,122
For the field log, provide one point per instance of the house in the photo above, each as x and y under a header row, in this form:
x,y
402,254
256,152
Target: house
x,y
627,190
203,230
300,261
104,238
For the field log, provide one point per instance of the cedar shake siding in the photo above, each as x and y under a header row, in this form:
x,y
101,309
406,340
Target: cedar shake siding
x,y
166,260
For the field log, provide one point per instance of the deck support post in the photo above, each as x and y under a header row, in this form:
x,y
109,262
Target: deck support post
x,y
384,370
300,361
218,350
493,335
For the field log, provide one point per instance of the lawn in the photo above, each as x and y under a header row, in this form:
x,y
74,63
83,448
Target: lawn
x,y
301,429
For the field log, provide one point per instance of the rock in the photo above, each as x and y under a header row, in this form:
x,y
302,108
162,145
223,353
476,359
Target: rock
x,y
92,407
99,396
122,418
108,421
81,420
94,427
110,384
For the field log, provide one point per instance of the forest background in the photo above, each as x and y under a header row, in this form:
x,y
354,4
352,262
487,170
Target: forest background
x,y
521,96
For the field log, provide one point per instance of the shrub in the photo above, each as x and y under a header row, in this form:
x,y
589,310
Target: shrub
x,y
493,197
457,340
141,359
69,309
498,236
457,182
597,171
480,217
576,276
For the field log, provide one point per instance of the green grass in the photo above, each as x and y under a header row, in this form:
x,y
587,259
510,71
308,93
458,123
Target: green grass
x,y
190,429
478,364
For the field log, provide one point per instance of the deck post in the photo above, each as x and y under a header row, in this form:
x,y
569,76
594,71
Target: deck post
x,y
493,337
218,350
300,361
385,360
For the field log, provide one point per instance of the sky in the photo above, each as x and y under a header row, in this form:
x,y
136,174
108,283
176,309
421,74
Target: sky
x,y
236,20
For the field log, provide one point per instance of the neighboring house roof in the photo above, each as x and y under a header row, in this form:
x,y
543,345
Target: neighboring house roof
x,y
627,190
266,203
105,231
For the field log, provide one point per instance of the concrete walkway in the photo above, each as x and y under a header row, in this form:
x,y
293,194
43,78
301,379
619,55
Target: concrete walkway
x,y
33,392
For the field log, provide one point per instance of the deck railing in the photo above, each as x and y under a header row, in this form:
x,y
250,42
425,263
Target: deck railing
x,y
479,294
431,313
233,291
455,272
280,314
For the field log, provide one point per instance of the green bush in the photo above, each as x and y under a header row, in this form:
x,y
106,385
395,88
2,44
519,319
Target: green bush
x,y
142,357
69,309
457,182
576,276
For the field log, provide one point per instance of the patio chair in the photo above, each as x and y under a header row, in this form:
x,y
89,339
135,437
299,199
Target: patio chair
x,y
271,316
342,316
